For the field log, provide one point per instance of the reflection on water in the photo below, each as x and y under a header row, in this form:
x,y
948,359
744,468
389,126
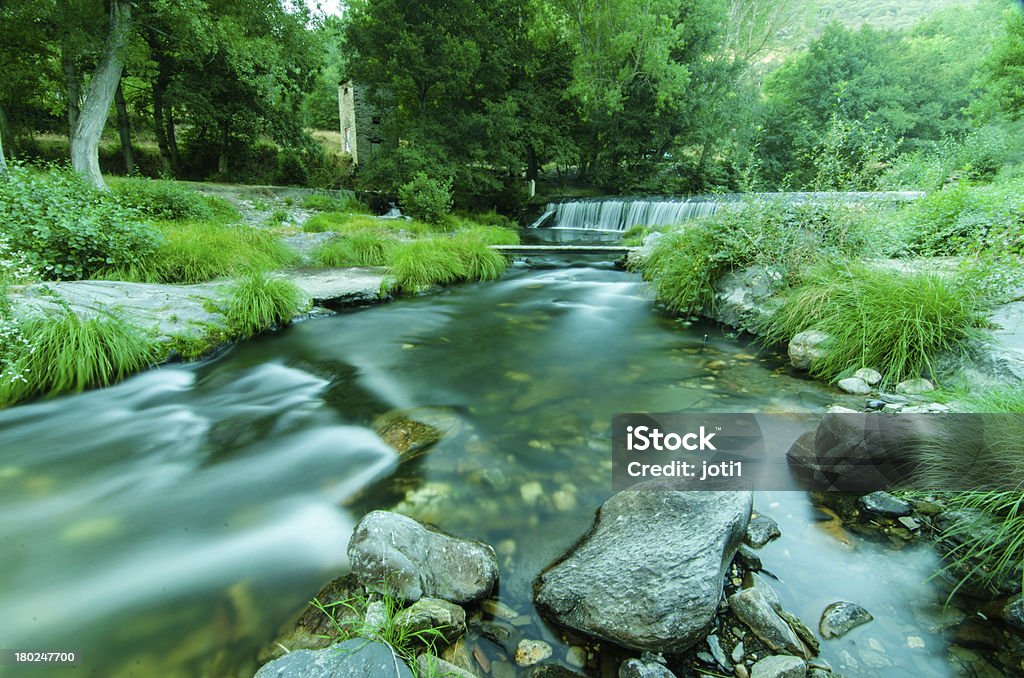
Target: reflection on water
x,y
167,526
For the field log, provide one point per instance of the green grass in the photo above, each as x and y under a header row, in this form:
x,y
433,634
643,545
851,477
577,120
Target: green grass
x,y
259,302
71,354
172,201
893,322
193,252
328,203
489,235
339,221
421,264
359,249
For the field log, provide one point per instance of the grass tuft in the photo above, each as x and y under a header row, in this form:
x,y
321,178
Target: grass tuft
x,y
896,323
259,302
72,354
359,249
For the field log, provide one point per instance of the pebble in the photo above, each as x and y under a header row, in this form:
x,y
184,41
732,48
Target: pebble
x,y
874,404
892,408
909,523
576,656
717,365
869,376
530,652
531,492
915,642
854,386
496,608
718,653
563,501
737,653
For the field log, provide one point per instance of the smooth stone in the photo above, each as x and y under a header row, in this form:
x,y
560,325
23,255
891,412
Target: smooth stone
x,y
807,347
752,608
756,581
686,541
884,504
432,614
498,609
563,501
841,617
718,653
458,654
869,376
803,631
355,658
737,653
909,523
635,668
761,530
875,404
393,552
854,386
428,665
779,666
531,492
914,387
576,656
530,652
893,399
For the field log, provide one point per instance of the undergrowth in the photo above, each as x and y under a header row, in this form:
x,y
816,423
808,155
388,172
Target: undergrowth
x,y
259,302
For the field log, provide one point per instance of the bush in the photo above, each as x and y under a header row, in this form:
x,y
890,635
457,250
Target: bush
x,y
68,230
964,219
198,252
259,302
69,353
327,203
169,200
896,323
339,221
426,199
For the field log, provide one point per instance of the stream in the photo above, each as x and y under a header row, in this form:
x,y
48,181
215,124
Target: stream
x,y
168,526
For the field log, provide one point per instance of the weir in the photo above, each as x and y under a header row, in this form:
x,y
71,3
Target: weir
x,y
617,214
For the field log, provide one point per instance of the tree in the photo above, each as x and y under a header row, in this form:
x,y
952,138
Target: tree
x,y
85,143
1006,68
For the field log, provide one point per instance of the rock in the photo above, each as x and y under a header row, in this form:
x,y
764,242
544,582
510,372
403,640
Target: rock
x,y
869,376
803,632
355,658
414,431
752,608
756,581
744,298
718,653
875,404
576,656
747,559
428,614
391,551
376,617
884,504
531,492
685,541
1013,613
314,630
635,668
737,653
779,666
909,523
549,671
841,617
458,654
563,500
807,347
854,386
498,609
761,530
429,666
914,387
741,671
530,652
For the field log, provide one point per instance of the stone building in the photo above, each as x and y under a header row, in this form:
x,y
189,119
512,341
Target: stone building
x,y
361,135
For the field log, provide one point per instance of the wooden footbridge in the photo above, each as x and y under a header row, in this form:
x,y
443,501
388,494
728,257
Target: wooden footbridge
x,y
540,250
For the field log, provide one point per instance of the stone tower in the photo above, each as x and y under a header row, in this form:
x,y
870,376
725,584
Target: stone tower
x,y
361,134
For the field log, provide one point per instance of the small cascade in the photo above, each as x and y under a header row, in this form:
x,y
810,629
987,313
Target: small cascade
x,y
621,214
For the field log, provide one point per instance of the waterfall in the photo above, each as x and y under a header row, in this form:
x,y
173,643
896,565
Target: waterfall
x,y
621,214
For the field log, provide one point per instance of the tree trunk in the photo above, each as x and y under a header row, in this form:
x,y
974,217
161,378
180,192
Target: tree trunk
x,y
74,94
124,130
222,159
3,130
85,145
171,136
531,163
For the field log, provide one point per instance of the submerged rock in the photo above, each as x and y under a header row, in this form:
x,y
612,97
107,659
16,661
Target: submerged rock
x,y
390,551
761,530
808,347
684,540
530,652
355,658
841,617
414,431
779,666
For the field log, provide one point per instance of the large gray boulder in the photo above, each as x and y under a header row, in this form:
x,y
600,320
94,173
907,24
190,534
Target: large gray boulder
x,y
392,553
808,347
356,658
649,574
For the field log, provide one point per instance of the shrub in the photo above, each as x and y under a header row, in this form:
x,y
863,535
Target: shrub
x,y
421,264
896,323
359,249
478,260
198,252
339,221
426,199
168,200
259,302
963,219
489,235
68,230
71,354
327,203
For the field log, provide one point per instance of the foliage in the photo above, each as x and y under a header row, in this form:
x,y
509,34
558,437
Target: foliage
x,y
170,201
978,156
442,260
193,252
782,237
14,270
327,203
69,353
1006,67
338,221
962,219
358,249
426,199
259,302
66,228
891,321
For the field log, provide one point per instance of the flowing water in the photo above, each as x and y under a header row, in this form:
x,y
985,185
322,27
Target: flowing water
x,y
167,526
